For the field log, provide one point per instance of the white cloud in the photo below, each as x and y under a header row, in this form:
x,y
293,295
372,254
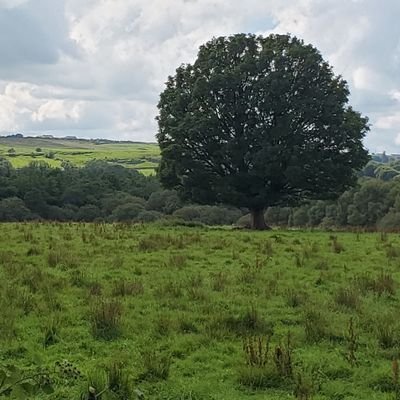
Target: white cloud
x,y
389,122
97,67
365,79
395,94
60,110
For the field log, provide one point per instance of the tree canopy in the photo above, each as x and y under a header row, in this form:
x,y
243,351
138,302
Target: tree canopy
x,y
258,122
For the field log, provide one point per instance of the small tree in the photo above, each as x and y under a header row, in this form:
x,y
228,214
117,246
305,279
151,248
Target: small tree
x,y
258,122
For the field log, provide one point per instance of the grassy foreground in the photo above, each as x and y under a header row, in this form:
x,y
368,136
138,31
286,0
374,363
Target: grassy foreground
x,y
141,156
187,313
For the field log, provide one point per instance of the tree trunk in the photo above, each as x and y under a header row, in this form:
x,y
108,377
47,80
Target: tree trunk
x,y
258,220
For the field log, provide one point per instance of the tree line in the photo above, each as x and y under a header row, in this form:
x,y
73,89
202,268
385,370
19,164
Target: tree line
x,y
97,192
112,193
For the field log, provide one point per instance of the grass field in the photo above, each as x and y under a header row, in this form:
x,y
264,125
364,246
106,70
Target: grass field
x,y
141,156
187,313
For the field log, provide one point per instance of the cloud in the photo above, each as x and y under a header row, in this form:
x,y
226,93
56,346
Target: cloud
x,y
11,3
97,67
32,32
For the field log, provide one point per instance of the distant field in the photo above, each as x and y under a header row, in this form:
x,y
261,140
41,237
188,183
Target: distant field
x,y
185,313
141,156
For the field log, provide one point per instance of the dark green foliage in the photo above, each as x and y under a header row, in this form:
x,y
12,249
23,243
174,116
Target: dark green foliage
x,y
102,192
209,215
258,122
148,216
96,191
164,201
14,209
126,212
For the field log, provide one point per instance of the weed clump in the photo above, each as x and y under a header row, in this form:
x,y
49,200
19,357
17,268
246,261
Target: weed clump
x,y
392,251
250,322
176,260
352,339
336,246
315,326
57,257
33,251
294,298
156,365
304,387
96,387
131,288
106,320
265,368
118,381
383,284
347,297
219,281
386,332
51,331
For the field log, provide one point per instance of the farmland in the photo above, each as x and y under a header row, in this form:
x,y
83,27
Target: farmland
x,y
21,151
166,312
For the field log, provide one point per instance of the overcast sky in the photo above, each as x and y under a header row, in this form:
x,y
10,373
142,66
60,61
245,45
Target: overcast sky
x,y
95,68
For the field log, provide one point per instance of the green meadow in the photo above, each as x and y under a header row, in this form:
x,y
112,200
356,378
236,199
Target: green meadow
x,y
109,311
141,156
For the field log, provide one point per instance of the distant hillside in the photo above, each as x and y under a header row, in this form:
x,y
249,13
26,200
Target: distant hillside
x,y
22,150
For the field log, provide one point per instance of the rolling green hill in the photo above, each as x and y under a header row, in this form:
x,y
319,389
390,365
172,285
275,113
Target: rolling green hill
x,y
21,151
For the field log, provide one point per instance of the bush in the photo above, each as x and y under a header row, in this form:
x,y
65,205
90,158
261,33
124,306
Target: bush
x,y
278,216
13,209
300,217
148,216
209,215
116,199
391,221
55,213
164,201
126,212
244,221
88,213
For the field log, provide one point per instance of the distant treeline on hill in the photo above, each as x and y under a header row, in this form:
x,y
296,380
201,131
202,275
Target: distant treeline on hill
x,y
69,137
103,192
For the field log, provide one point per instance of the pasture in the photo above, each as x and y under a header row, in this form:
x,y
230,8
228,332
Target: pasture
x,y
141,156
167,312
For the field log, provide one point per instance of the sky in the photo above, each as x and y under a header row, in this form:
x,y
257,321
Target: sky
x,y
95,68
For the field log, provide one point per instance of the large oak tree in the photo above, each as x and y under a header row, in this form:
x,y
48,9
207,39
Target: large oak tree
x,y
258,122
